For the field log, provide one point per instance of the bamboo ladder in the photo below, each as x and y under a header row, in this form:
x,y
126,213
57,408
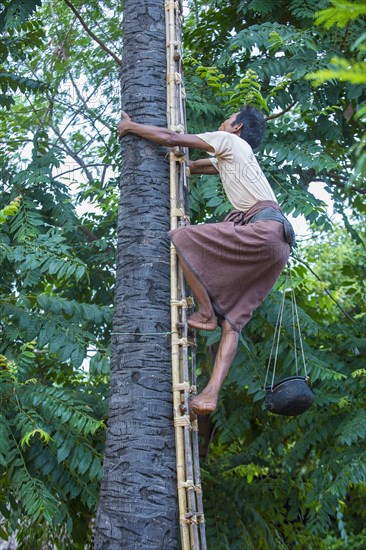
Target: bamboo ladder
x,y
183,344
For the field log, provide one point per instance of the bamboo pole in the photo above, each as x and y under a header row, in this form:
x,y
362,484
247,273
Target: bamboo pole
x,y
183,346
191,493
180,462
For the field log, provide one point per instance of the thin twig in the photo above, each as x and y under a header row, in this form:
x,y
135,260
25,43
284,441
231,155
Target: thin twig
x,y
277,115
93,36
104,173
78,111
86,106
105,167
72,154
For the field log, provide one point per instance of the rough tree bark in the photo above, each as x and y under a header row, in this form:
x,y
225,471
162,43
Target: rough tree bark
x,y
138,504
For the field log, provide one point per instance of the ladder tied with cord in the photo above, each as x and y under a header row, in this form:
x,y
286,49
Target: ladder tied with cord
x,y
183,344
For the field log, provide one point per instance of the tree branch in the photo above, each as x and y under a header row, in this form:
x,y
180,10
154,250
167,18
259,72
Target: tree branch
x,y
86,106
335,177
90,33
277,115
68,149
105,167
72,153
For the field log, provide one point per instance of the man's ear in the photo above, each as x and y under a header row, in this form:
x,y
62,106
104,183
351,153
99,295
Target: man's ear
x,y
238,127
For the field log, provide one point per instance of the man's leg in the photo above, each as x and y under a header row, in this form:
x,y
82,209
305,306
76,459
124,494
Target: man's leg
x,y
206,401
204,318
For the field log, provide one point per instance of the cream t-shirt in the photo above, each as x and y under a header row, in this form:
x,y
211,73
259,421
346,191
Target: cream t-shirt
x,y
242,178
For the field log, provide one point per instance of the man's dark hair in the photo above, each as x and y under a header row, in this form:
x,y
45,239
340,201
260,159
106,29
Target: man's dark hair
x,y
254,125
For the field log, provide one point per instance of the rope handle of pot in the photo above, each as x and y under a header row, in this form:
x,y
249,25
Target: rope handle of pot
x,y
272,361
296,323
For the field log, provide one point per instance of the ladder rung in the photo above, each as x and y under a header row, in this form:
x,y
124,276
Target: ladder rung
x,y
185,302
184,342
177,213
171,4
182,386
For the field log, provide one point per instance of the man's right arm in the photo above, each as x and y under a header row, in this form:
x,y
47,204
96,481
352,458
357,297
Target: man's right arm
x,y
161,136
202,166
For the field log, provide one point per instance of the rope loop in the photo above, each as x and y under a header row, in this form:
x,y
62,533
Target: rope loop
x,y
183,421
296,331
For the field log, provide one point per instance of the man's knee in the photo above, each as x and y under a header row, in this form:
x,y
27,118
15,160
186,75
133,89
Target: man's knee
x,y
228,329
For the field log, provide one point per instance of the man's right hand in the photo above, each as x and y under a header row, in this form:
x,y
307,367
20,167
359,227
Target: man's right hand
x,y
123,124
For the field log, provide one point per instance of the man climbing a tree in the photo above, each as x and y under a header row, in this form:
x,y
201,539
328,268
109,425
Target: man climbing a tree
x,y
230,266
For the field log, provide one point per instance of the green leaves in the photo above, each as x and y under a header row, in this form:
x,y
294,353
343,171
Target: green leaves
x,y
247,92
10,82
341,12
56,269
99,364
341,69
88,312
10,210
352,429
57,248
48,454
35,498
16,12
323,450
309,132
283,49
45,437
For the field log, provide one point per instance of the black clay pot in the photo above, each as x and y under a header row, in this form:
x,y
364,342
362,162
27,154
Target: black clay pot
x,y
290,397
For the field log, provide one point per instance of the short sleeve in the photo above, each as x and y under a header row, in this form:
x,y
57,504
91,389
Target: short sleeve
x,y
214,162
221,143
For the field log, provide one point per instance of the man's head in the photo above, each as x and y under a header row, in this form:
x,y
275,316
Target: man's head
x,y
248,123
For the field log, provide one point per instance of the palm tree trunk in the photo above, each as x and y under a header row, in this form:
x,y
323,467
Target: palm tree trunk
x,y
138,504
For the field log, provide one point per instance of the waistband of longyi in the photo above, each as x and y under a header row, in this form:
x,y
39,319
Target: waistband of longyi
x,y
260,205
262,211
240,217
272,214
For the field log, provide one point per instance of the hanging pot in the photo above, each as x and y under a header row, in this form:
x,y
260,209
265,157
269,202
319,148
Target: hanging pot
x,y
289,397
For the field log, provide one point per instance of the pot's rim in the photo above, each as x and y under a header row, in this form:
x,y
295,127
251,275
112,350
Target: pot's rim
x,y
285,380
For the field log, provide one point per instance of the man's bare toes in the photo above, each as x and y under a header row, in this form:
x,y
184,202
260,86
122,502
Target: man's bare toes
x,y
201,406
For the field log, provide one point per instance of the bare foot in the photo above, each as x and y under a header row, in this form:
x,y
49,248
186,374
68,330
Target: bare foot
x,y
203,322
203,403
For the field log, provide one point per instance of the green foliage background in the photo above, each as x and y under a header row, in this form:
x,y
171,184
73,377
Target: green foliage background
x,y
269,482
